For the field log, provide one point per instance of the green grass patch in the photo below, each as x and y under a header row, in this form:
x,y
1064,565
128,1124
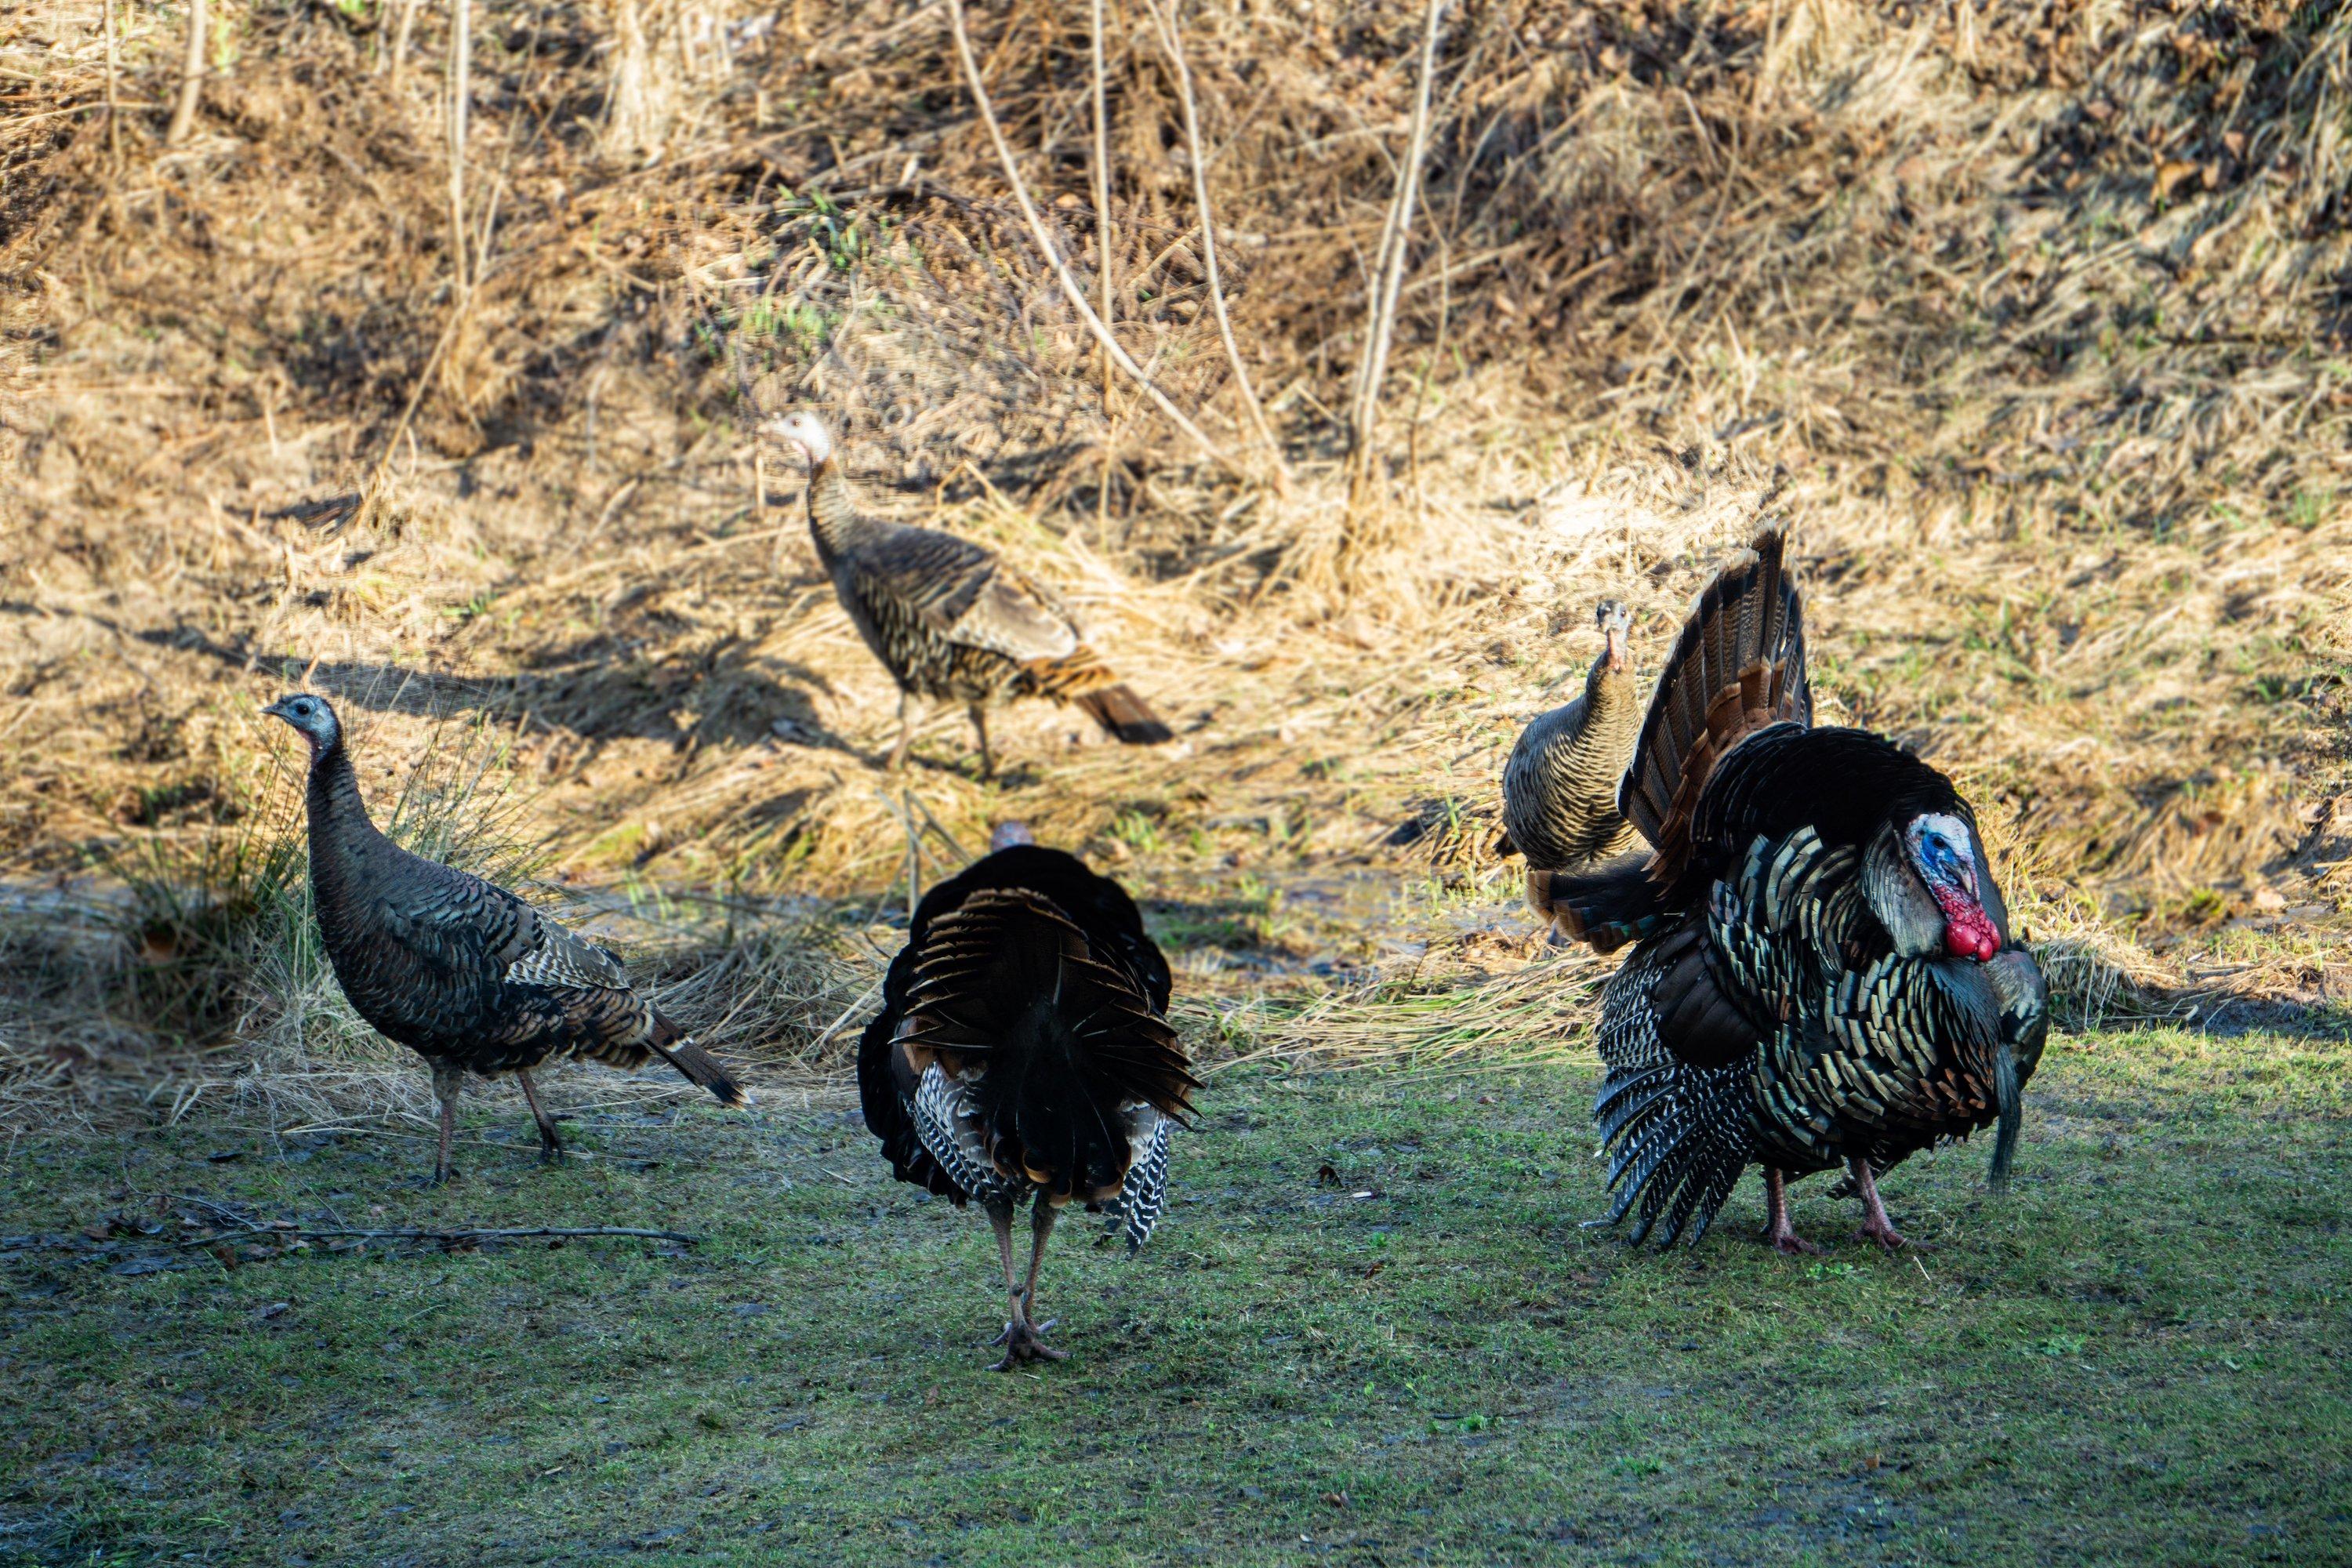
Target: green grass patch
x,y
1371,1330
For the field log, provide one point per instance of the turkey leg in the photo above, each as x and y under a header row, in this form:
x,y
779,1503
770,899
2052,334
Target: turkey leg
x,y
550,1147
1875,1226
1777,1230
979,728
447,1080
906,730
1022,1337
1016,1311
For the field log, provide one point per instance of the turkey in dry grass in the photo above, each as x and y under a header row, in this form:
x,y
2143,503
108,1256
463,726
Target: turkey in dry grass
x,y
952,620
1022,1054
1559,786
460,970
1825,973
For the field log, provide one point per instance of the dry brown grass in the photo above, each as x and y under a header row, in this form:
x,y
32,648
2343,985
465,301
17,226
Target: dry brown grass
x,y
2036,309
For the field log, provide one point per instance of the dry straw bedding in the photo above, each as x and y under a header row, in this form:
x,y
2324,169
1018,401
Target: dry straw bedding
x,y
2036,311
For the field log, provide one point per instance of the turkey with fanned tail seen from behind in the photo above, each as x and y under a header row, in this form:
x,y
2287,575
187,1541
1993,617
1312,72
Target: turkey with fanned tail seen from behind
x,y
459,970
1022,1054
952,620
1825,972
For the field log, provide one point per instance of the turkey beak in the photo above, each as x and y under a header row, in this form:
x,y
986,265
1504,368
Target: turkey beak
x,y
783,432
277,711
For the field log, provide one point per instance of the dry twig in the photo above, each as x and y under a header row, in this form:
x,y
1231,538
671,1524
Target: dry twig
x,y
1076,295
1173,43
1389,276
461,89
472,1233
192,77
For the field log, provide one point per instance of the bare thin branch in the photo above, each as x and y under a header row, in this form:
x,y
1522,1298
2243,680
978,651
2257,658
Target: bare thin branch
x,y
1103,241
1102,184
461,91
1396,242
192,77
399,40
1173,43
462,1233
113,108
1070,290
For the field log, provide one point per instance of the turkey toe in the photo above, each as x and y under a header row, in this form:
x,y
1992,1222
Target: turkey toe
x,y
1022,1343
1882,1231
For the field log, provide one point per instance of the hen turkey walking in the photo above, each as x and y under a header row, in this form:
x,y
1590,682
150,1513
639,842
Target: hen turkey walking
x,y
460,970
952,620
1022,1053
1825,973
1559,787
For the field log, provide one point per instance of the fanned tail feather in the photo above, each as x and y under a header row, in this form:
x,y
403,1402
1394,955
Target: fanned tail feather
x,y
1054,1041
678,1048
1737,667
1124,715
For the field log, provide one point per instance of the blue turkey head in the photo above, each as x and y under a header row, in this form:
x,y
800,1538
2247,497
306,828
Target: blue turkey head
x,y
1943,850
311,717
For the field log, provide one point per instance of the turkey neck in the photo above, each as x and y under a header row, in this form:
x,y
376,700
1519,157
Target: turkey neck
x,y
832,518
1609,695
345,846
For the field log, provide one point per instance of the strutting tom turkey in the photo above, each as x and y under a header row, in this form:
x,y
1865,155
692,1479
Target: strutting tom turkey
x,y
1825,972
462,971
1022,1053
1559,786
952,620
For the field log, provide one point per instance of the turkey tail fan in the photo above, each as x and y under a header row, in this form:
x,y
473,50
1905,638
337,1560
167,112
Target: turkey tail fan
x,y
1123,714
678,1048
1737,667
1606,907
1010,994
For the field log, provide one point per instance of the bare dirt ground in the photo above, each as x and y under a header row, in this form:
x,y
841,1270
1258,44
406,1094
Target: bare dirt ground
x,y
2034,314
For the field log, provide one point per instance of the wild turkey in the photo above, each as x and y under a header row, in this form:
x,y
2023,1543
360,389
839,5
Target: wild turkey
x,y
952,620
1022,1052
1559,787
1825,972
465,973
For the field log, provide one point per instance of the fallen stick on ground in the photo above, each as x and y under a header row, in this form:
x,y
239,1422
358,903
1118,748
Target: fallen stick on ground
x,y
467,1233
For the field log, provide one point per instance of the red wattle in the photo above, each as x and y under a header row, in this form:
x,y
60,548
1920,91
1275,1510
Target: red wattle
x,y
1968,934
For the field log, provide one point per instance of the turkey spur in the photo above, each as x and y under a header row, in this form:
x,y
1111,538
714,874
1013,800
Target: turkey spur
x,y
464,973
952,620
1825,974
1022,1052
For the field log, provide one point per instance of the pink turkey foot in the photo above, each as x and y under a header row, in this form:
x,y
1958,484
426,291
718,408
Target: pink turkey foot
x,y
1778,1231
1875,1226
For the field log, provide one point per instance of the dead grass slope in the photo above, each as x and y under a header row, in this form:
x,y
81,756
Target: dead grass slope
x,y
2037,311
